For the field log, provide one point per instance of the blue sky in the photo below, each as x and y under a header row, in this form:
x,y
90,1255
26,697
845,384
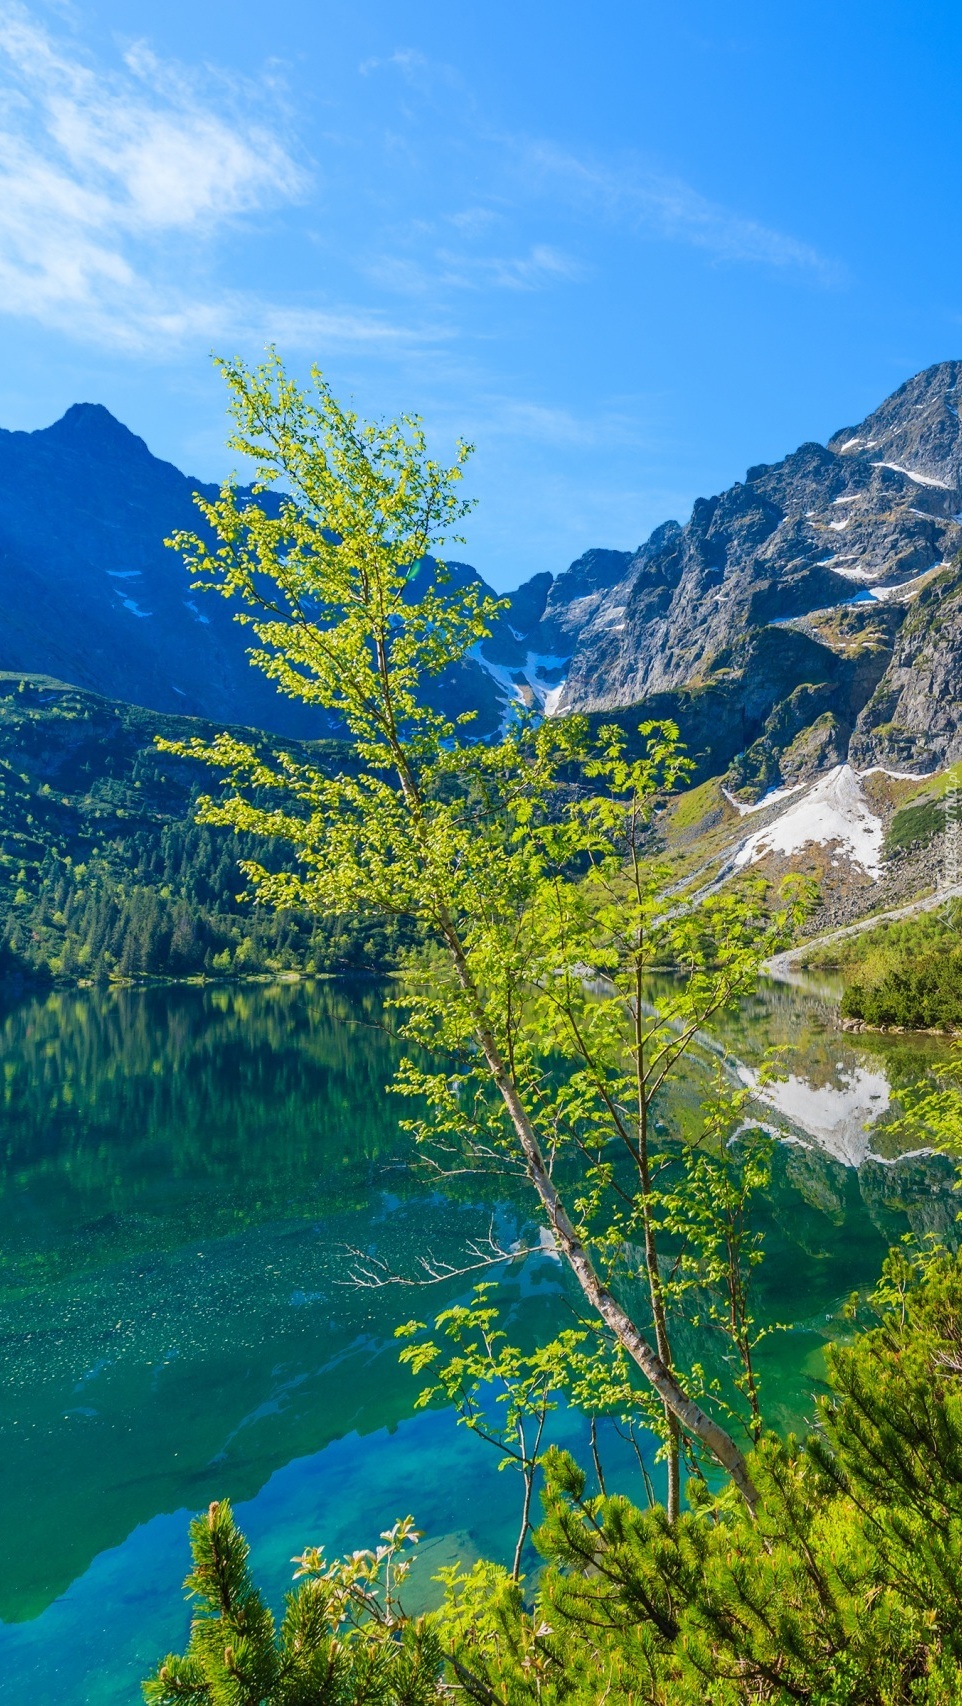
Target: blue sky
x,y
626,249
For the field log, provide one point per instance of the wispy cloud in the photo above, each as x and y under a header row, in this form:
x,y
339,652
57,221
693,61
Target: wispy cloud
x,y
543,424
473,221
542,264
628,190
419,71
116,184
408,60
446,269
664,206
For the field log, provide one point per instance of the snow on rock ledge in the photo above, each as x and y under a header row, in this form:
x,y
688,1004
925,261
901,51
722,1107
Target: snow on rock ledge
x,y
833,810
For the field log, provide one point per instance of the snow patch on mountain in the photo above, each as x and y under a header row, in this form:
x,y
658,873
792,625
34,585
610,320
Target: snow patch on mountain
x,y
912,474
858,573
899,775
538,666
769,799
534,684
833,810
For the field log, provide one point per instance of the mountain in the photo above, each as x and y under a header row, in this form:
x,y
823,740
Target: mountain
x,y
91,595
809,616
811,613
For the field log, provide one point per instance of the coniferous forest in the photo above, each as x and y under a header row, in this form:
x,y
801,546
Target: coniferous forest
x,y
105,874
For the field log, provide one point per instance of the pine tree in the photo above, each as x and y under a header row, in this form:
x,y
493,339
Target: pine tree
x,y
342,1640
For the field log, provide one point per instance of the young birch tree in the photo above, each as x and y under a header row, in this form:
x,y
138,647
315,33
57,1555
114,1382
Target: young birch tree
x,y
524,860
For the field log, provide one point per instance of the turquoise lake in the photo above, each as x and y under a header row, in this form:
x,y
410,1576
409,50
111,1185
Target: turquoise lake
x,y
183,1171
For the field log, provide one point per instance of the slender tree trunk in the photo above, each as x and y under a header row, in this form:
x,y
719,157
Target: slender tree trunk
x,y
674,1465
596,1458
529,1465
739,1328
688,1414
662,1341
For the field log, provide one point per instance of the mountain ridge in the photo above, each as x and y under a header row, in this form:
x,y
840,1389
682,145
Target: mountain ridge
x,y
853,546
809,615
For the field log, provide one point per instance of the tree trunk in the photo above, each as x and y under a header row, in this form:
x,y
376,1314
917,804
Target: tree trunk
x,y
690,1415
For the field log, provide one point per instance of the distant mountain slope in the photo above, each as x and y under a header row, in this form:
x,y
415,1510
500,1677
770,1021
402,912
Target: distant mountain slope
x,y
103,870
90,594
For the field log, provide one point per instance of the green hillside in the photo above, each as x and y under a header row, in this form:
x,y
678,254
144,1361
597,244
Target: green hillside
x,y
906,972
103,871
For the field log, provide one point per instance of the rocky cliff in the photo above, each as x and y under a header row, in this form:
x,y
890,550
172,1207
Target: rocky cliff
x,y
811,613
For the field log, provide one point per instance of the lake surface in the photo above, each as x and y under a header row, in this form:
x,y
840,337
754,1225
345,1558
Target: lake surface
x,y
183,1170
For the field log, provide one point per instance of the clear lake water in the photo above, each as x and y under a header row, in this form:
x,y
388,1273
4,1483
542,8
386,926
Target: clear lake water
x,y
183,1171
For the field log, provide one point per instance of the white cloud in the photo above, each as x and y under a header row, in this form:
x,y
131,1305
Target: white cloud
x,y
541,265
472,221
541,423
145,136
416,69
448,269
408,60
666,207
312,328
114,185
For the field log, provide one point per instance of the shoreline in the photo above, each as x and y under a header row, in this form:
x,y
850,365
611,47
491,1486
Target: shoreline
x,y
196,980
854,1026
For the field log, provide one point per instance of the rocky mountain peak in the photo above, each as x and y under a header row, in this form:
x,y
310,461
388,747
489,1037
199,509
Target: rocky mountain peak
x,y
576,595
787,595
91,427
917,428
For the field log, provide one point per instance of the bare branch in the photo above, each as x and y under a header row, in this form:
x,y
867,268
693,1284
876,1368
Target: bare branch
x,y
371,1273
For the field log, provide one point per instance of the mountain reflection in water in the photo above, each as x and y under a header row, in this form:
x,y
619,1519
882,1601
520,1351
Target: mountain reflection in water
x,y
182,1171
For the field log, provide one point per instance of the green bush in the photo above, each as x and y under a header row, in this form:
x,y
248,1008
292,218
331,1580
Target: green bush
x,y
921,994
904,973
915,826
341,1641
